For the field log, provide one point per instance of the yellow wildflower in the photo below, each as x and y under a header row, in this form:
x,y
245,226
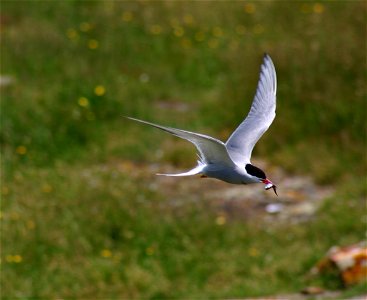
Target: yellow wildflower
x,y
83,102
14,258
249,8
30,224
71,34
106,253
155,29
4,190
220,220
17,258
85,26
217,31
14,216
178,31
93,44
46,188
318,8
253,252
188,19
99,90
150,250
127,16
21,150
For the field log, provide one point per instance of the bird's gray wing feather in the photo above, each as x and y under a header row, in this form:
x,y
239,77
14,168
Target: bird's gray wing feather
x,y
262,113
211,150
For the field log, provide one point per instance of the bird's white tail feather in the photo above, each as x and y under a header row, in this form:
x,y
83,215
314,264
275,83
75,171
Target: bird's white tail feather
x,y
197,170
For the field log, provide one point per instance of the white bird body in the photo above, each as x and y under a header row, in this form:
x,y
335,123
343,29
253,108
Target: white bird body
x,y
230,161
235,175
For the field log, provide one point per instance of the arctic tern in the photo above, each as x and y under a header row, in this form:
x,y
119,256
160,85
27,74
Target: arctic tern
x,y
230,161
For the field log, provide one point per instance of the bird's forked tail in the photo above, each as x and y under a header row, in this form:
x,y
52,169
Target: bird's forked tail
x,y
197,170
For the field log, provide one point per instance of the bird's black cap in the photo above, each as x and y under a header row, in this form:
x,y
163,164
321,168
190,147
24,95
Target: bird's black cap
x,y
255,171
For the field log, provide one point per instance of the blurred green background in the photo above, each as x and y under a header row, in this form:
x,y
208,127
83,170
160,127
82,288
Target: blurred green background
x,y
81,213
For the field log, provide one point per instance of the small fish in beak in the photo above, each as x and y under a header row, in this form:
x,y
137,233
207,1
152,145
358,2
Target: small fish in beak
x,y
269,185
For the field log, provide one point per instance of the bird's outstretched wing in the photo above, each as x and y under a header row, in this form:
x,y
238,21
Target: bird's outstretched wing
x,y
261,115
211,150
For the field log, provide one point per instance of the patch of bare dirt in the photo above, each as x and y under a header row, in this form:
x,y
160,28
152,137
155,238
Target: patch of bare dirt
x,y
298,200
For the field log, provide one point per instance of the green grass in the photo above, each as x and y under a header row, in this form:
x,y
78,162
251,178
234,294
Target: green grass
x,y
78,222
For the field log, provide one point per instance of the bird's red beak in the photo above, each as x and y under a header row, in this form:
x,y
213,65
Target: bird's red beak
x,y
270,185
266,181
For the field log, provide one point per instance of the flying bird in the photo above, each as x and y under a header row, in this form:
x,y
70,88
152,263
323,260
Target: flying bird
x,y
231,161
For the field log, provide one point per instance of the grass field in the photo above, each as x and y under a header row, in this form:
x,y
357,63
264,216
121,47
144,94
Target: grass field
x,y
81,217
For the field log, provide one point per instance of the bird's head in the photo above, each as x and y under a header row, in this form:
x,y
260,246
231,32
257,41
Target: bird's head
x,y
260,175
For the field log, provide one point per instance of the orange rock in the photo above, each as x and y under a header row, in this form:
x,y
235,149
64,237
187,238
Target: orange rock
x,y
350,262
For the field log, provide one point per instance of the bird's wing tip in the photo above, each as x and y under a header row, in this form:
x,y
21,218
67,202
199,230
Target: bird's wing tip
x,y
267,56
